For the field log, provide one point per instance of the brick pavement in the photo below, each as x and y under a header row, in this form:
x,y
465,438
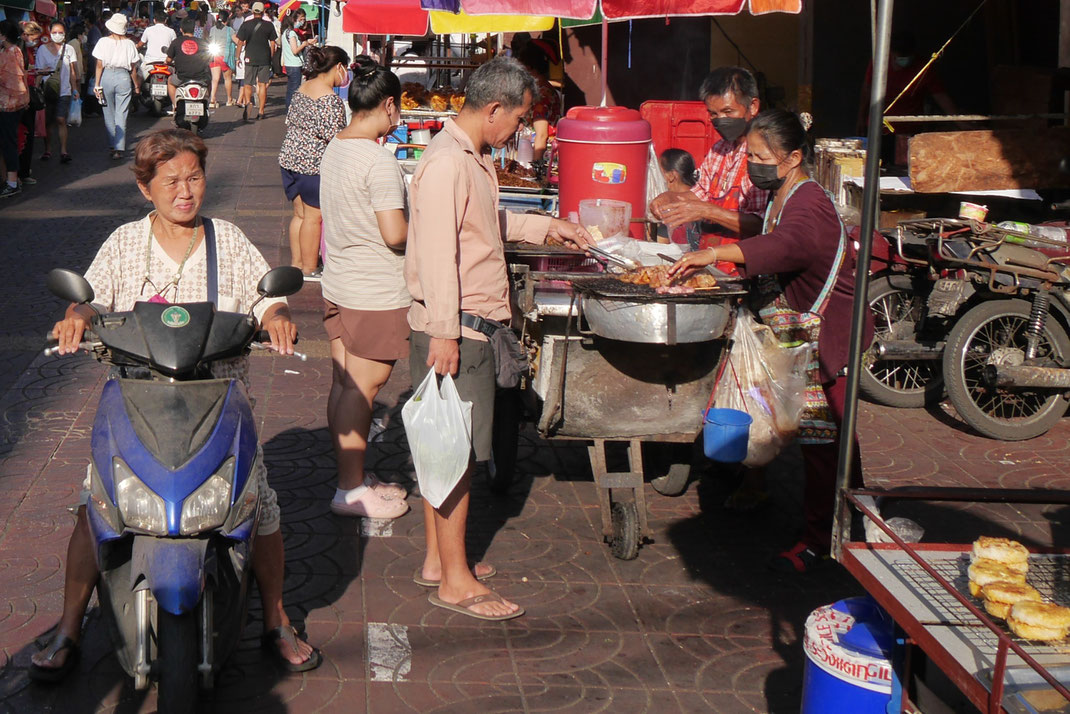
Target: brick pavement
x,y
694,624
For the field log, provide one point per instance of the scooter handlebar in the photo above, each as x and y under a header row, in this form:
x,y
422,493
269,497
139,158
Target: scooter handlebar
x,y
262,341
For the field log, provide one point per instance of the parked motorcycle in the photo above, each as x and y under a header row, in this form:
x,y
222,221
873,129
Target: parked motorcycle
x,y
1007,359
154,95
902,366
191,106
174,505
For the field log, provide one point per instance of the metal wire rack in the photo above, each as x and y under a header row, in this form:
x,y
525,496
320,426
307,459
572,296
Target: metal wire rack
x,y
1049,574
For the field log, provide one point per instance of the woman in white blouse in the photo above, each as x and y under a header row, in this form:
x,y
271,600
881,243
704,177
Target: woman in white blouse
x,y
117,61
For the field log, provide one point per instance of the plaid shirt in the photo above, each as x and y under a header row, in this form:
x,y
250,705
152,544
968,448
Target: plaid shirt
x,y
723,180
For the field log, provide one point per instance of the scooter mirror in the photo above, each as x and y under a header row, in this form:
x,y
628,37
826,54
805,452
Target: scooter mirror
x,y
280,282
69,285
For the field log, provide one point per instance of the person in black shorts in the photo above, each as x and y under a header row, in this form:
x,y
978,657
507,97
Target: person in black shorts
x,y
190,57
257,37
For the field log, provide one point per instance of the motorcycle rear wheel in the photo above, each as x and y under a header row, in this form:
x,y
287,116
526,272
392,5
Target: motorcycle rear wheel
x,y
906,384
1006,413
177,661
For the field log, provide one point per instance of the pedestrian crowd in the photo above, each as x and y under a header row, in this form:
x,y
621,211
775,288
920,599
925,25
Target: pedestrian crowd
x,y
54,73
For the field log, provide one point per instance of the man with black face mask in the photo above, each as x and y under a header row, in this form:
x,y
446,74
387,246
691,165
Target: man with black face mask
x,y
724,194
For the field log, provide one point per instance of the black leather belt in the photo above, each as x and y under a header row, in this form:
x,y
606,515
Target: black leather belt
x,y
477,323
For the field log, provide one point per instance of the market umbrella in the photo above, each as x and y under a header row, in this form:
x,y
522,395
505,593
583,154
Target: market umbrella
x,y
287,6
590,11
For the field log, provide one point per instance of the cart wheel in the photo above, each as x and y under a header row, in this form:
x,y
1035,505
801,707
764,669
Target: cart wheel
x,y
505,441
673,483
625,541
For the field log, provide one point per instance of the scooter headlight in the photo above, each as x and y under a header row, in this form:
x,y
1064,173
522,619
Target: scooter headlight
x,y
208,506
140,508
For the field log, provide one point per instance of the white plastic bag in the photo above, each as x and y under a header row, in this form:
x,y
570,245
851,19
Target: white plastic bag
x,y
74,116
439,429
768,381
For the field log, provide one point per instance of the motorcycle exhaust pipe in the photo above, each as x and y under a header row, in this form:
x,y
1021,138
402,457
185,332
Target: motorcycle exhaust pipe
x,y
1024,376
908,350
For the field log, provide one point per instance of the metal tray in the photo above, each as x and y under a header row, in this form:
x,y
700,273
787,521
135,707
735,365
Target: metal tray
x,y
620,290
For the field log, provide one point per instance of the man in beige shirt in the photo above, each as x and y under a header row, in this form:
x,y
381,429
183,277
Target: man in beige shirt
x,y
455,263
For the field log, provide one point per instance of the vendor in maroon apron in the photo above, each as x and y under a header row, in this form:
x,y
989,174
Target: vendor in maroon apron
x,y
724,200
805,278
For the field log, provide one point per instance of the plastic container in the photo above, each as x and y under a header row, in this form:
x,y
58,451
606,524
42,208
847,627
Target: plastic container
x,y
611,218
680,125
974,211
1051,233
725,433
420,136
602,153
848,647
400,135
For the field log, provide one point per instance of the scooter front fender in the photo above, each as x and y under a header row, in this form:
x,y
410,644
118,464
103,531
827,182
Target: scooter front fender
x,y
173,569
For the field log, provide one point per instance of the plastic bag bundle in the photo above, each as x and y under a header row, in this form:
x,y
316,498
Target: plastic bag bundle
x,y
766,380
438,426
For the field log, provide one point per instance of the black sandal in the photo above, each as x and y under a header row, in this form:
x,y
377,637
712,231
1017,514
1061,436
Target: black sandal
x,y
269,641
55,674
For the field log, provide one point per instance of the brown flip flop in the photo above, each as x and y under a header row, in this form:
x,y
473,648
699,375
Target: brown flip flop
x,y
421,580
463,606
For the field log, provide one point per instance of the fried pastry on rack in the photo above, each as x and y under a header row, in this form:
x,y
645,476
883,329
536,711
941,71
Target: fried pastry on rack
x,y
1000,597
985,572
1009,553
1042,621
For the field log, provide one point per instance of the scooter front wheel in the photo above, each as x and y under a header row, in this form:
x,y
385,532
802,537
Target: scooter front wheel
x,y
177,661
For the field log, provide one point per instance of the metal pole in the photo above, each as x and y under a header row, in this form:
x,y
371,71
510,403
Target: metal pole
x,y
841,526
605,59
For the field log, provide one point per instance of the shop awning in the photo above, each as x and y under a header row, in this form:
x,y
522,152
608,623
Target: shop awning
x,y
45,7
446,23
589,12
385,17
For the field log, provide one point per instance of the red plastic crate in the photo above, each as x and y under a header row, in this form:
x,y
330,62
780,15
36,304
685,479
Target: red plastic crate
x,y
680,125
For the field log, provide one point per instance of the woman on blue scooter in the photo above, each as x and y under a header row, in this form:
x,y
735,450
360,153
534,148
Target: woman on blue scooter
x,y
162,258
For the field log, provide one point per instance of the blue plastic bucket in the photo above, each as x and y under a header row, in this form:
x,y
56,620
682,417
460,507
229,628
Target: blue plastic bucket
x,y
848,647
724,435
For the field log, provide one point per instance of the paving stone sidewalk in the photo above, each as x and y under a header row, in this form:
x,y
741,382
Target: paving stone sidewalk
x,y
696,623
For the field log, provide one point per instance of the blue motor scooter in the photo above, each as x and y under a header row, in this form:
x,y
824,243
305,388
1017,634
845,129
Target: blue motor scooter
x,y
173,505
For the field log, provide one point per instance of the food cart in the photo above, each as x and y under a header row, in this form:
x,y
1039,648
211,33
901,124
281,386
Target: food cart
x,y
613,363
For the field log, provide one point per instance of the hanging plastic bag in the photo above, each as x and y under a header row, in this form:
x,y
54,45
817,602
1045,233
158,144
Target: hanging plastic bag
x,y
74,117
439,429
767,381
655,181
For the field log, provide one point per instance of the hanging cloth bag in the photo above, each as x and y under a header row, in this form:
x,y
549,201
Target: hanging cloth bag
x,y
794,328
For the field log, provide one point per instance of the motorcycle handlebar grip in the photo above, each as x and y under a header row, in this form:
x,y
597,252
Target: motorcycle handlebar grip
x,y
263,337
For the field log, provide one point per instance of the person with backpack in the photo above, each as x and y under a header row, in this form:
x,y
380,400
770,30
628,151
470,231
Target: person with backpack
x,y
57,66
258,38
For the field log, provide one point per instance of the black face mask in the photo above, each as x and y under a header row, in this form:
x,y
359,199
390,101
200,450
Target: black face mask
x,y
730,128
764,176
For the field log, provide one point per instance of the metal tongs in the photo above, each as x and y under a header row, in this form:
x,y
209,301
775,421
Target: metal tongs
x,y
606,257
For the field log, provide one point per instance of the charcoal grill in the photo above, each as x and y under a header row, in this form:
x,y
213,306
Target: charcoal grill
x,y
647,397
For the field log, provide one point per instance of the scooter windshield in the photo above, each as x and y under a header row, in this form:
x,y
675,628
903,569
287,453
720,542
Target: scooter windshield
x,y
175,339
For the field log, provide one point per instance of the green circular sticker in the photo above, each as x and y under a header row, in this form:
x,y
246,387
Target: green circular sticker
x,y
175,316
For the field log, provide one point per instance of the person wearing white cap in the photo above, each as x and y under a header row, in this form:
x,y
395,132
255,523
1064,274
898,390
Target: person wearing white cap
x,y
116,79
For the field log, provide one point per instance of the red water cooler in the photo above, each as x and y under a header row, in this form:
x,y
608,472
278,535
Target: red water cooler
x,y
602,153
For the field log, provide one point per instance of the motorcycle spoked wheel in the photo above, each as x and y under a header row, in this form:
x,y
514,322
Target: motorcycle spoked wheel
x,y
907,384
1005,413
177,662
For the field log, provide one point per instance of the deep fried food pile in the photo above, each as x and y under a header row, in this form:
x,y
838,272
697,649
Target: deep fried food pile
x,y
415,96
657,277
